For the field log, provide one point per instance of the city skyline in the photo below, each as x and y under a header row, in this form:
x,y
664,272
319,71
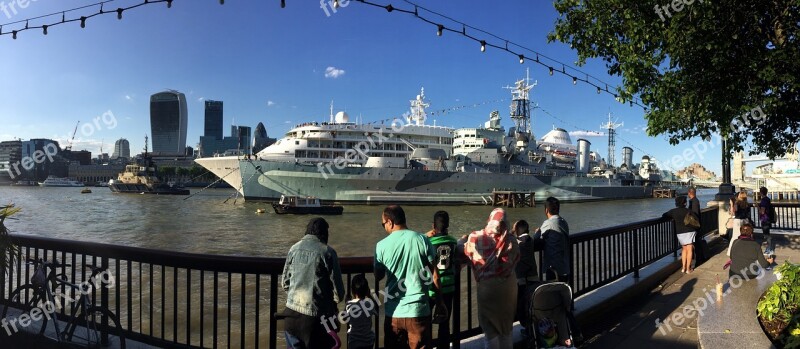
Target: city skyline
x,y
299,61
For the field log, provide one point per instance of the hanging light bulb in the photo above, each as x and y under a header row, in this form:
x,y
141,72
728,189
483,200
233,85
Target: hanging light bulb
x,y
574,80
119,13
83,22
551,71
283,3
335,3
14,34
389,8
222,2
483,46
521,59
169,3
598,90
44,29
439,30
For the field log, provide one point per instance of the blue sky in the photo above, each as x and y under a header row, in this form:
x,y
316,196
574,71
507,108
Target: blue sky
x,y
269,65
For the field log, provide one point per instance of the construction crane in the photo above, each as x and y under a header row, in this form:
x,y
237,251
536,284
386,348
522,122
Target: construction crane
x,y
69,145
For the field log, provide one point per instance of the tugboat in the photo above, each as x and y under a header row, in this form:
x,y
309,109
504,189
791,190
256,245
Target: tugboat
x,y
137,179
304,205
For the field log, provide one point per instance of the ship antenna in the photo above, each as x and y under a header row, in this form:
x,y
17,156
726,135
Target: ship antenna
x,y
611,126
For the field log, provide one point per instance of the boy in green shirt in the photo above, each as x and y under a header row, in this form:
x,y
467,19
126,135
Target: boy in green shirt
x,y
445,247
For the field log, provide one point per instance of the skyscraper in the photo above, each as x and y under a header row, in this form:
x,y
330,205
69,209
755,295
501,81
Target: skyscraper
x,y
260,138
168,122
213,122
122,149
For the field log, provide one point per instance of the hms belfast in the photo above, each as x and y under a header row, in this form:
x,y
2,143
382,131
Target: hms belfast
x,y
414,163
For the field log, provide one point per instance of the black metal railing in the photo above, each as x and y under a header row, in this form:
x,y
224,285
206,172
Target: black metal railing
x,y
175,299
787,214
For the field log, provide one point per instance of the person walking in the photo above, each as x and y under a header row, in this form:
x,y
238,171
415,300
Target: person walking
x,y
766,214
312,280
699,243
553,237
683,232
527,272
445,246
741,214
407,258
493,253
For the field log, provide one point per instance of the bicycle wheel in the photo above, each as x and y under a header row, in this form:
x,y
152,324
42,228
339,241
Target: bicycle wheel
x,y
27,297
87,330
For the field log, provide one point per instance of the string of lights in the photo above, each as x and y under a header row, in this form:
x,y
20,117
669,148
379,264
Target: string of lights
x,y
102,9
502,44
522,52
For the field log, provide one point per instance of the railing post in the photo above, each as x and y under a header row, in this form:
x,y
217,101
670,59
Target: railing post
x,y
273,307
636,254
455,330
103,301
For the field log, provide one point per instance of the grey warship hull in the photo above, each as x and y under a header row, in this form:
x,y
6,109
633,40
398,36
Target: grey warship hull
x,y
264,180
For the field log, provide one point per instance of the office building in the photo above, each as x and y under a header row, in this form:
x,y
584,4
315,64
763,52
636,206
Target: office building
x,y
122,149
213,119
168,123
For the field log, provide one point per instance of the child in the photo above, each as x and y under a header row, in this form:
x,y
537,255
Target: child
x,y
360,310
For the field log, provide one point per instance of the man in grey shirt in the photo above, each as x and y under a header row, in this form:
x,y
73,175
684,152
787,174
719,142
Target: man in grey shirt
x,y
694,203
553,238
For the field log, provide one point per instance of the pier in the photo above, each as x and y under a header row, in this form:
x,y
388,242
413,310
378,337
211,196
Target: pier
x,y
506,198
187,300
663,193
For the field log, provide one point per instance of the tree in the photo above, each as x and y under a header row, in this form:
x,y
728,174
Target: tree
x,y
728,66
7,247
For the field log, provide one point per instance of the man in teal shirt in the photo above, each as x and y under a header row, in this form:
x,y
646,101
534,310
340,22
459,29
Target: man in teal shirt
x,y
406,257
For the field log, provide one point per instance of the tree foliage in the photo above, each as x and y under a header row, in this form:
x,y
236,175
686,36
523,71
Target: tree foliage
x,y
702,67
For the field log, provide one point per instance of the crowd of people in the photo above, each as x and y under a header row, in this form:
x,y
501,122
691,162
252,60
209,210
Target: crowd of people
x,y
420,270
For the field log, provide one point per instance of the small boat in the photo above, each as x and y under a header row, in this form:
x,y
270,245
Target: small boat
x,y
86,191
304,205
53,181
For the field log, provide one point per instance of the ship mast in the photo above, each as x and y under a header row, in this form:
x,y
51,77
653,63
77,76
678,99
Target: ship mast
x,y
418,106
521,108
612,142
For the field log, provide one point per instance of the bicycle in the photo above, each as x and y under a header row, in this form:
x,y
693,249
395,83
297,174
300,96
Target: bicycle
x,y
89,325
33,294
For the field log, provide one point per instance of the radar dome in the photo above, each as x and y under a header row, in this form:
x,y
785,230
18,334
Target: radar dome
x,y
342,117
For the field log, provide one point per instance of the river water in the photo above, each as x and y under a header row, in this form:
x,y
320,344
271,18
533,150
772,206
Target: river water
x,y
205,223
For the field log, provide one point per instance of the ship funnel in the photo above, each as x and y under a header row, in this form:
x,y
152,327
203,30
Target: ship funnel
x,y
583,156
627,157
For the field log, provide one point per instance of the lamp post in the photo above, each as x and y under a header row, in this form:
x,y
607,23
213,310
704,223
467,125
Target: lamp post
x,y
726,189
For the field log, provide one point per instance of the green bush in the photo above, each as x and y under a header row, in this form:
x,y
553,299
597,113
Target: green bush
x,y
780,304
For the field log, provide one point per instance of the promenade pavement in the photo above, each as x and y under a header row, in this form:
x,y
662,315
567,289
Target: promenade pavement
x,y
634,326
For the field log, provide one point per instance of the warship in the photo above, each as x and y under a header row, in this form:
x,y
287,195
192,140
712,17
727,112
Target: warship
x,y
410,162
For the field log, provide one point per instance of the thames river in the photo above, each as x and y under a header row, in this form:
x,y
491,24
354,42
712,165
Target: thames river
x,y
205,223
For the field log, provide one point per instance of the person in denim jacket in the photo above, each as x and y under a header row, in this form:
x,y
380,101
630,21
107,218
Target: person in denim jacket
x,y
313,280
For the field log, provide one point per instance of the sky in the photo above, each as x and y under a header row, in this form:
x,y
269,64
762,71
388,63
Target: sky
x,y
283,66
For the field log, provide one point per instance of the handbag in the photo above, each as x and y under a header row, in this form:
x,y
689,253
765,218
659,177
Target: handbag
x,y
690,220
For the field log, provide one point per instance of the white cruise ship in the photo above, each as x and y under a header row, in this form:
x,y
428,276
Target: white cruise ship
x,y
53,181
407,161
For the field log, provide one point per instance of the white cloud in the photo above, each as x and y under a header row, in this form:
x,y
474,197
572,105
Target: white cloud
x,y
586,134
333,72
128,97
200,99
270,103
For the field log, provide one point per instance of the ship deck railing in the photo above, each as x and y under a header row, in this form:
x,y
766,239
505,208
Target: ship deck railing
x,y
190,300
